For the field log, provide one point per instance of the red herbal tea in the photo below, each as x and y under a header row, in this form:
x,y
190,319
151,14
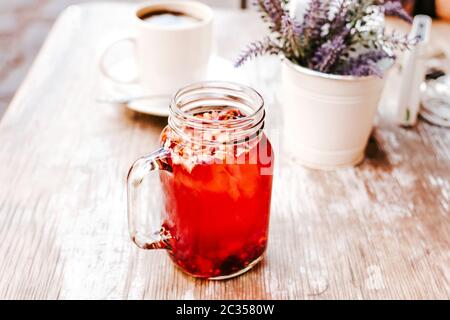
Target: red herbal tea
x,y
215,167
217,211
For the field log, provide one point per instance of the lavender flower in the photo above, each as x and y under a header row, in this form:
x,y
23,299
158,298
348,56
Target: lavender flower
x,y
395,41
365,69
314,19
365,64
340,15
330,35
395,8
258,48
291,33
272,12
328,53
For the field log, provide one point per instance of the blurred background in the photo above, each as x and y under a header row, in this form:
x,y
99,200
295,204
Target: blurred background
x,y
24,25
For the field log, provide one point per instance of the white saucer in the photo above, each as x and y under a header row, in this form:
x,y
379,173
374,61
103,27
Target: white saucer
x,y
157,104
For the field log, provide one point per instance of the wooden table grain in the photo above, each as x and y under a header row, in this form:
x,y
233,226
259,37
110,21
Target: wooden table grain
x,y
377,231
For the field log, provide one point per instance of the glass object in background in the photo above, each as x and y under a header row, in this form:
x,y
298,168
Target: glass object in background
x,y
215,166
436,98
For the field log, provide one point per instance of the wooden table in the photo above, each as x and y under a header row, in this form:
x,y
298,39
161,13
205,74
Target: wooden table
x,y
380,230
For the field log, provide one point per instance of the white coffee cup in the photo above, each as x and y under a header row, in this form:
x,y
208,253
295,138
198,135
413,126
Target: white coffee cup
x,y
168,56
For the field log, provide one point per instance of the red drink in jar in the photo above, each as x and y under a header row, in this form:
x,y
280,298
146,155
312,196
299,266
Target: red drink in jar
x,y
217,182
218,209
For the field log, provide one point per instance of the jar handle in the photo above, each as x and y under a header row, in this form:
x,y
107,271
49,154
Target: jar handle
x,y
140,235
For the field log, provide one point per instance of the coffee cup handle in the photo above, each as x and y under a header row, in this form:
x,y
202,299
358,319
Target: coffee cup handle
x,y
106,71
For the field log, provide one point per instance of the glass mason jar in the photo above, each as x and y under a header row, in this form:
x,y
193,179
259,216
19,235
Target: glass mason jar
x,y
215,167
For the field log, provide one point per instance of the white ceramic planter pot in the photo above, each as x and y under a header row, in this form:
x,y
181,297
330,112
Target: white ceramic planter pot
x,y
327,118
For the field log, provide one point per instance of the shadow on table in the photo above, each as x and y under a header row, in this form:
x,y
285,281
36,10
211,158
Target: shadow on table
x,y
375,155
144,120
